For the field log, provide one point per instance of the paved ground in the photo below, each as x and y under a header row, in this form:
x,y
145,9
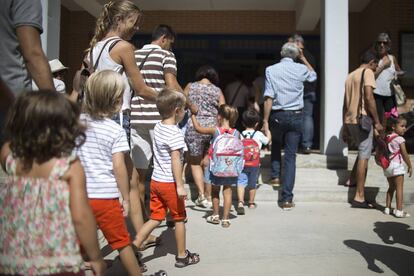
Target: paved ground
x,y
312,239
318,237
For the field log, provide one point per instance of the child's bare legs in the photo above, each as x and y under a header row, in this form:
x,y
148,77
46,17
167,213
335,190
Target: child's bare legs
x,y
252,195
145,231
227,201
129,261
137,198
215,194
240,193
180,238
399,183
390,191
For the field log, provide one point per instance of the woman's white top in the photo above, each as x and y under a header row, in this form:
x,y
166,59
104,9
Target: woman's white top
x,y
384,79
107,63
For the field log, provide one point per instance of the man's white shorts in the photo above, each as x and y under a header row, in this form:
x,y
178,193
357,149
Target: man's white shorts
x,y
141,147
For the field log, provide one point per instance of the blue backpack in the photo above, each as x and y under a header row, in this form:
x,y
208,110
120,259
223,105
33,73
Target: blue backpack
x,y
227,154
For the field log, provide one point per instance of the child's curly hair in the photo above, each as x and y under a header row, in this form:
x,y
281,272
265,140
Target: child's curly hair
x,y
392,122
43,125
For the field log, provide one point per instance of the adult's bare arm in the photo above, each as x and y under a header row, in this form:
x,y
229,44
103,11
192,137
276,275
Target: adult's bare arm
x,y
123,53
36,61
371,107
266,112
171,82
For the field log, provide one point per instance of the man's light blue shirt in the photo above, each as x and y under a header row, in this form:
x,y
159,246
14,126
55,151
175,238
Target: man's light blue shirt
x,y
284,84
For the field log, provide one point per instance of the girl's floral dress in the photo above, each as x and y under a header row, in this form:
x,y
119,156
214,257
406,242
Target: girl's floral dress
x,y
37,235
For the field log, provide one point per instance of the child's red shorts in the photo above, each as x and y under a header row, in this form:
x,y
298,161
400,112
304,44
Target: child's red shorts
x,y
108,215
164,196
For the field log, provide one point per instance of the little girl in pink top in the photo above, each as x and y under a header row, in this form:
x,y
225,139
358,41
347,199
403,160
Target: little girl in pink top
x,y
396,170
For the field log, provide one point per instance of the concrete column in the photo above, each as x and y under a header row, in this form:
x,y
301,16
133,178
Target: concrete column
x,y
334,38
51,28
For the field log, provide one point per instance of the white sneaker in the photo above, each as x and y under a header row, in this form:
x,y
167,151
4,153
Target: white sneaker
x,y
387,211
401,214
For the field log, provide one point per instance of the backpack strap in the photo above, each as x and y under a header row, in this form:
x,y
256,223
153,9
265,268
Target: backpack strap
x,y
145,59
361,95
100,53
252,135
389,139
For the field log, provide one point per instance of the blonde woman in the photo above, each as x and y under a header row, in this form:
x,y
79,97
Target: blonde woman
x,y
110,50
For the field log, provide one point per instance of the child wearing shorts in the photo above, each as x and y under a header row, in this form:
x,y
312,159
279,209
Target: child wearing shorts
x,y
396,170
167,189
102,156
249,176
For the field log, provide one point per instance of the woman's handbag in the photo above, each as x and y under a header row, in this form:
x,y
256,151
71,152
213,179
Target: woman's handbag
x,y
399,94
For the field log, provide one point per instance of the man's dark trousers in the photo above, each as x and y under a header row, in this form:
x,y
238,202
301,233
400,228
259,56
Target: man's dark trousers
x,y
286,127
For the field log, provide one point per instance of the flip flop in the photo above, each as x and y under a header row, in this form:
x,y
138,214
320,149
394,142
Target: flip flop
x,y
362,205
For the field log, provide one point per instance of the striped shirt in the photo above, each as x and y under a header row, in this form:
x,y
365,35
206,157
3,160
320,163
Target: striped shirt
x,y
103,139
284,84
166,139
158,63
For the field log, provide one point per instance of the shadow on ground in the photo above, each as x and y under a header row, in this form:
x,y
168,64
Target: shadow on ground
x,y
395,232
399,260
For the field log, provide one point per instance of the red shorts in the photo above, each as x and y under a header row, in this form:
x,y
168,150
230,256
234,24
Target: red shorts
x,y
108,215
163,196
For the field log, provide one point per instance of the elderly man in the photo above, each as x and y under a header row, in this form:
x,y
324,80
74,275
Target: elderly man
x,y
283,113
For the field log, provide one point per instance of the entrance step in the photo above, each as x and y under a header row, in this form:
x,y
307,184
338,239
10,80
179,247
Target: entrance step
x,y
321,179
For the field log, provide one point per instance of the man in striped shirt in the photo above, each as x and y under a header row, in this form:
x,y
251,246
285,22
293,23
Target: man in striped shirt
x,y
283,112
158,67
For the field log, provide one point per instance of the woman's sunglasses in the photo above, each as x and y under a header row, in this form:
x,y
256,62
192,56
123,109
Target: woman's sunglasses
x,y
382,42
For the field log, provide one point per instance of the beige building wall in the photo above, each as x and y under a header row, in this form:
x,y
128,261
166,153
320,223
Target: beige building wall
x,y
392,16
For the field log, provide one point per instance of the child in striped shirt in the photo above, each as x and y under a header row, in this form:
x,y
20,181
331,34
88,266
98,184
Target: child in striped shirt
x,y
167,188
102,156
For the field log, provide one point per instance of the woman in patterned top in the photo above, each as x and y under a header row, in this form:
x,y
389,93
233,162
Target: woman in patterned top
x,y
205,94
44,203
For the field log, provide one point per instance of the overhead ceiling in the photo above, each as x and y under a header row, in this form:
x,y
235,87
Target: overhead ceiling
x,y
307,11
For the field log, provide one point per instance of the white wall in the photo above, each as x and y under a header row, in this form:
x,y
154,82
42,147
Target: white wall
x,y
335,52
51,28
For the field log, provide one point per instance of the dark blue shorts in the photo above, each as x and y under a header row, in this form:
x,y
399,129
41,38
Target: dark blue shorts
x,y
248,178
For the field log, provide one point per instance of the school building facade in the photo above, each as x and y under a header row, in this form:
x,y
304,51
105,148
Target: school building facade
x,y
248,34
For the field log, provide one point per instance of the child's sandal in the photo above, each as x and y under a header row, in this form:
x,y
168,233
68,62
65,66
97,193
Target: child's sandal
x,y
189,259
225,223
401,214
214,219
